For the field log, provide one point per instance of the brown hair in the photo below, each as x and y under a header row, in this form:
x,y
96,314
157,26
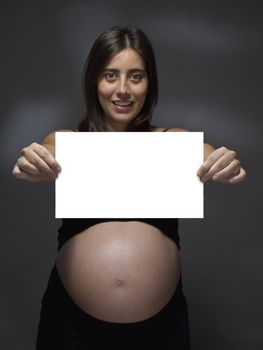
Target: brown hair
x,y
105,47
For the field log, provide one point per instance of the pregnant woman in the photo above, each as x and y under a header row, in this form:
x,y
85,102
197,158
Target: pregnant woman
x,y
116,283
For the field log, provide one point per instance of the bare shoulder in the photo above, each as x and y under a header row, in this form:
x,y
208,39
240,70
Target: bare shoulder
x,y
156,128
177,130
50,138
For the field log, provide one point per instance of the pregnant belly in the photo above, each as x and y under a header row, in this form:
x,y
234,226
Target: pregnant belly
x,y
120,271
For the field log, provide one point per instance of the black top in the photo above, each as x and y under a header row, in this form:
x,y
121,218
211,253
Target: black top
x,y
71,227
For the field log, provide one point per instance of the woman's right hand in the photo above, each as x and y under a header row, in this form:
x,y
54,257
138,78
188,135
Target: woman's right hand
x,y
36,163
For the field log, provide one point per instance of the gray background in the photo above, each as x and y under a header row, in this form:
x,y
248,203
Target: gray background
x,y
209,56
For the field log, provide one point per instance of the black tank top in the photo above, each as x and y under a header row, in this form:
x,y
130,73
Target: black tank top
x,y
71,227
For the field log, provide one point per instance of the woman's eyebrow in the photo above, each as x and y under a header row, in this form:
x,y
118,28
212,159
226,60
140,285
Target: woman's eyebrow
x,y
110,69
137,70
130,70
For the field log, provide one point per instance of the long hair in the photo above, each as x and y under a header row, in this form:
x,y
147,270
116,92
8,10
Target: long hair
x,y
108,44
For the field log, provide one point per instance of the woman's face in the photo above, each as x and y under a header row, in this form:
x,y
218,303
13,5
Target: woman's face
x,y
122,89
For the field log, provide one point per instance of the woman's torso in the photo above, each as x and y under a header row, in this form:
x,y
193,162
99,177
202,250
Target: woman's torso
x,y
120,271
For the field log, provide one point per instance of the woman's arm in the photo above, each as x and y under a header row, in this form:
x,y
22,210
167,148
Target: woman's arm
x,y
37,162
220,165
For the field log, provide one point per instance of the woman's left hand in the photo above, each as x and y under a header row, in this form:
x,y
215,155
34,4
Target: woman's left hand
x,y
222,165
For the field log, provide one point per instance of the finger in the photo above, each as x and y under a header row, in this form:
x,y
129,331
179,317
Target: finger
x,y
24,165
19,174
221,164
48,158
208,163
229,171
16,171
33,163
239,177
45,155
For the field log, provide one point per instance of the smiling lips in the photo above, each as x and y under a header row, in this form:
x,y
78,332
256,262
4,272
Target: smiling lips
x,y
122,106
122,103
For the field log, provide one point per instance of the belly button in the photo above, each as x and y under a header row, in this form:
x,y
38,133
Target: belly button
x,y
119,283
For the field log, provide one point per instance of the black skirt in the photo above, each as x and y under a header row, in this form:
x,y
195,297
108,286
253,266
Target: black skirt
x,y
64,326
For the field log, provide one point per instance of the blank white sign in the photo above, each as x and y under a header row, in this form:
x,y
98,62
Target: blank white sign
x,y
129,175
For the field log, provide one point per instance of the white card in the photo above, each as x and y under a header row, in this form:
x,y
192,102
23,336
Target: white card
x,y
129,175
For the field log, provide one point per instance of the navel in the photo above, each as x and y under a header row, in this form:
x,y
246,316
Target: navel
x,y
119,283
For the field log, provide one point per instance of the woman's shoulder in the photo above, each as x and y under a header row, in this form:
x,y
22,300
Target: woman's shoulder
x,y
50,138
160,129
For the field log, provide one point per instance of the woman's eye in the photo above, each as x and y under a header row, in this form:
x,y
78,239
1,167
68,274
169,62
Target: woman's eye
x,y
110,76
136,76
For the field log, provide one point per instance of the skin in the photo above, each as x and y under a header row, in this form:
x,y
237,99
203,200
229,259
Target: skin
x,y
124,79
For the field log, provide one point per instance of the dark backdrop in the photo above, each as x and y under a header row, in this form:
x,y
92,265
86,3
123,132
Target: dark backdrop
x,y
209,56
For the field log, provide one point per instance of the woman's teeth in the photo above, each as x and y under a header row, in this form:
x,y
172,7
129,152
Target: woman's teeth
x,y
122,103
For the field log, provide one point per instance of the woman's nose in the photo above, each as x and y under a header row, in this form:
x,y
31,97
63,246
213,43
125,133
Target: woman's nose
x,y
123,88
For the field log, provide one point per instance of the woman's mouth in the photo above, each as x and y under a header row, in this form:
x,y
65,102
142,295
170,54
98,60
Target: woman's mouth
x,y
122,106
